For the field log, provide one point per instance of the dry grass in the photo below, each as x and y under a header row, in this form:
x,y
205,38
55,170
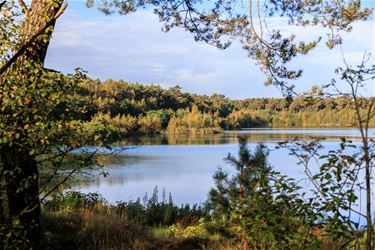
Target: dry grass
x,y
97,228
101,227
105,228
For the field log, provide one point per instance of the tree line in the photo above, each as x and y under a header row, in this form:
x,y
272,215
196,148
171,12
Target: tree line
x,y
127,108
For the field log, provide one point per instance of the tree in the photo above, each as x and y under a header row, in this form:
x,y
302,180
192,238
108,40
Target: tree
x,y
20,113
346,171
258,207
37,129
26,37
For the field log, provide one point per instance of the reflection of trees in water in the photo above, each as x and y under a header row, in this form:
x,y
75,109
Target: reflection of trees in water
x,y
59,171
117,163
277,137
145,169
176,139
118,160
217,139
112,163
84,176
173,139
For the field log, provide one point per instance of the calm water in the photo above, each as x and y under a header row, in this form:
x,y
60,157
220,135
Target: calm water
x,y
184,164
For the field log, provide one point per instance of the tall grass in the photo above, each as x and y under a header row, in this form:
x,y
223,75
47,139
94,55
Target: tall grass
x,y
86,221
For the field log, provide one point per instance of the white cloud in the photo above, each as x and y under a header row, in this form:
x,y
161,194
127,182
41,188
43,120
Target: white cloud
x,y
134,49
158,69
186,75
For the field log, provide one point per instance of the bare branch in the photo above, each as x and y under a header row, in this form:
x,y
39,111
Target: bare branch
x,y
61,11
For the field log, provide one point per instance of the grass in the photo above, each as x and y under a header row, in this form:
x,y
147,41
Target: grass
x,y
105,228
79,221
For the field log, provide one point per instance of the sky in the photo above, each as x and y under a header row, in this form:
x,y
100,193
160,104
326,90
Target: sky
x,y
133,48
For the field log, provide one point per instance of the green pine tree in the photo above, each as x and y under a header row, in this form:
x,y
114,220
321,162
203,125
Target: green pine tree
x,y
258,207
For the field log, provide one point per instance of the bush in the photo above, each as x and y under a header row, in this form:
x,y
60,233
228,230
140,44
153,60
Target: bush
x,y
260,207
153,212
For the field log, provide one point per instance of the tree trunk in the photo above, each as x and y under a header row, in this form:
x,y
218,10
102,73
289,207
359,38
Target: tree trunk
x,y
23,199
19,171
41,12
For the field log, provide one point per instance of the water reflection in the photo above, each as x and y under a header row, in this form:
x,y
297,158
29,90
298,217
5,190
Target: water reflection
x,y
184,164
230,137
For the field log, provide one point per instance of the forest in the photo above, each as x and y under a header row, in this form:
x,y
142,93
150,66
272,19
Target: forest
x,y
133,108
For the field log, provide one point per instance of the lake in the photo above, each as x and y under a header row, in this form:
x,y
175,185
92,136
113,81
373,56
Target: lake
x,y
184,164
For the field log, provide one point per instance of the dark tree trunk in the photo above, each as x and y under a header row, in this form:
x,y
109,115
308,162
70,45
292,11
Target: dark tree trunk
x,y
19,170
23,205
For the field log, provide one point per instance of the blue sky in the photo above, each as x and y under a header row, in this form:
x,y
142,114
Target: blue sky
x,y
134,48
